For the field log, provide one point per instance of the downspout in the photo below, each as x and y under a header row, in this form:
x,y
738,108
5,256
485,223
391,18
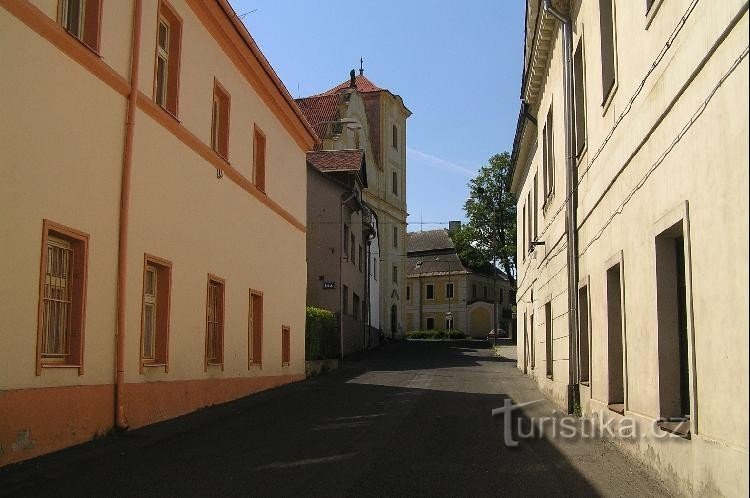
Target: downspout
x,y
341,274
571,215
122,249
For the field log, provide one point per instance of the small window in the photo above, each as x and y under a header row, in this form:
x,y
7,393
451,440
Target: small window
x,y
548,157
395,137
259,159
548,338
215,321
580,98
394,183
429,290
430,325
346,241
220,122
352,247
344,299
395,274
62,288
408,292
286,345
255,329
359,259
607,36
82,19
156,303
395,236
168,35
449,291
584,364
355,306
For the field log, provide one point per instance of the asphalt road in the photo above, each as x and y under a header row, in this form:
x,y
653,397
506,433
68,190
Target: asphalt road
x,y
410,419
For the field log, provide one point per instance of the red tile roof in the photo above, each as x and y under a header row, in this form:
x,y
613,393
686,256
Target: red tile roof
x,y
336,160
363,85
319,111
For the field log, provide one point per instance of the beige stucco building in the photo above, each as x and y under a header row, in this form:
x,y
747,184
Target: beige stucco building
x,y
152,191
357,114
443,294
630,170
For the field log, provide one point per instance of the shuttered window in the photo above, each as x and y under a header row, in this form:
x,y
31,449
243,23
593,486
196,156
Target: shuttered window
x,y
215,321
82,19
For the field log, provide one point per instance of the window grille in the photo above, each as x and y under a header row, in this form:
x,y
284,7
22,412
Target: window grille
x,y
58,299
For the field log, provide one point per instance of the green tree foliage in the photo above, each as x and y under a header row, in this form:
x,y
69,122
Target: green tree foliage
x,y
321,339
490,233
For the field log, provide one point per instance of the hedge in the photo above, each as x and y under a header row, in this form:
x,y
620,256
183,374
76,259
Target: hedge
x,y
435,334
321,339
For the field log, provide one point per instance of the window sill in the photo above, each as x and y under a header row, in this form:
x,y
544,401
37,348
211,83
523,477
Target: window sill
x,y
547,202
610,97
617,408
549,377
215,364
59,365
152,365
255,364
168,113
285,364
83,43
678,427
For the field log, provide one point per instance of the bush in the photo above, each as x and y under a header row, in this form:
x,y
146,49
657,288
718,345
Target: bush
x,y
321,339
435,334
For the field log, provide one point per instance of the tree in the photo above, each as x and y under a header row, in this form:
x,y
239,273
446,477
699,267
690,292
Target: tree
x,y
490,234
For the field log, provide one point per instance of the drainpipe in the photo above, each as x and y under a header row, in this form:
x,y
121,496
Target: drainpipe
x,y
341,273
122,250
571,215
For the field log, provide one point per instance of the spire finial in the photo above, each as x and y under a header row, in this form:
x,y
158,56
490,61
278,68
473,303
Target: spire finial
x,y
361,67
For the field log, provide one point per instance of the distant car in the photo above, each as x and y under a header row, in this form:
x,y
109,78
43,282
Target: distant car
x,y
501,334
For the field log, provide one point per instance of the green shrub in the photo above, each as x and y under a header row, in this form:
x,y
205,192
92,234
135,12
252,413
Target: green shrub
x,y
435,334
321,339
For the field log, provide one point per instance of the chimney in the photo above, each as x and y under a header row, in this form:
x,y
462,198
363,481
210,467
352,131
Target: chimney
x,y
453,226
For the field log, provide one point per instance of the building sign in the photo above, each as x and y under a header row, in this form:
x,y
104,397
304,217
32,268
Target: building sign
x,y
329,285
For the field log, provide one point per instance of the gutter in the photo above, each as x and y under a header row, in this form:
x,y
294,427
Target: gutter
x,y
572,202
122,249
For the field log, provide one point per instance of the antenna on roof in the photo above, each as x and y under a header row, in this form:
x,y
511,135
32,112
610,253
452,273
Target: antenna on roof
x,y
361,66
242,16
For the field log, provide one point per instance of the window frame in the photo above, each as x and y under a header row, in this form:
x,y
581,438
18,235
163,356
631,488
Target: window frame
x,y
163,301
429,289
79,242
219,360
608,95
167,13
254,337
220,127
286,345
451,294
88,8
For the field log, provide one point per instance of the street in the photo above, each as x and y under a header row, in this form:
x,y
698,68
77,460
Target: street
x,y
408,419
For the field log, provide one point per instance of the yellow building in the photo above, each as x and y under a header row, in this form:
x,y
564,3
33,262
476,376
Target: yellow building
x,y
152,191
631,174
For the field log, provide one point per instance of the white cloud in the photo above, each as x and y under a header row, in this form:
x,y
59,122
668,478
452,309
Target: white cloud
x,y
438,163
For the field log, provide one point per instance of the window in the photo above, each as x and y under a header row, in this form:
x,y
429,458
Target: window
x,y
355,306
548,339
430,325
528,221
255,329
352,247
82,19
220,121
672,323
360,258
429,290
215,321
474,291
395,274
62,288
535,208
394,183
584,364
286,349
395,137
548,157
168,34
616,379
345,300
155,313
346,241
531,341
449,290
580,98
395,236
523,234
408,292
607,35
259,159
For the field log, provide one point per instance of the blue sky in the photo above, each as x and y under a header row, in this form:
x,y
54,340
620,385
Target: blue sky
x,y
457,65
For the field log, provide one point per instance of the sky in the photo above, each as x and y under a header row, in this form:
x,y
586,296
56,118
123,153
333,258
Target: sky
x,y
457,65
